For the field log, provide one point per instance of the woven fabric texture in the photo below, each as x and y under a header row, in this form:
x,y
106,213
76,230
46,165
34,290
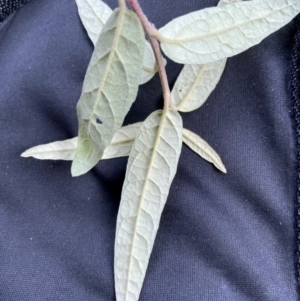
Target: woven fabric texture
x,y
9,6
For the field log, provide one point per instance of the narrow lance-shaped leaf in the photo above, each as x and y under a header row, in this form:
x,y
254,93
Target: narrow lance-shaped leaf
x,y
195,82
215,33
58,150
120,146
94,14
203,149
110,87
151,168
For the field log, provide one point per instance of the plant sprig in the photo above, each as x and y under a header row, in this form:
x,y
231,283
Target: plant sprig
x,y
202,40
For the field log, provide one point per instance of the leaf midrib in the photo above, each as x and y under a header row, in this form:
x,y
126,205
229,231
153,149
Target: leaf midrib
x,y
187,136
122,12
163,117
52,151
194,85
129,139
178,41
94,11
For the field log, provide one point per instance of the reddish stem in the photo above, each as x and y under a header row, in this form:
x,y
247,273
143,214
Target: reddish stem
x,y
150,31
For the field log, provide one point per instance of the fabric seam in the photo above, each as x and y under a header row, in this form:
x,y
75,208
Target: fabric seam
x,y
295,87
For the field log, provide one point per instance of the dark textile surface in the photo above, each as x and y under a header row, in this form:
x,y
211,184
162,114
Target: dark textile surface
x,y
296,110
9,6
222,237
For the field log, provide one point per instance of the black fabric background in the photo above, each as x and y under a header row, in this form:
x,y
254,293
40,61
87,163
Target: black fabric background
x,y
9,6
222,237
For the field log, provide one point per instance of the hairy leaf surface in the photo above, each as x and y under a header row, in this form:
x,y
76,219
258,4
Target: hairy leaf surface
x,y
151,168
203,149
149,64
215,33
94,14
58,150
122,141
110,87
224,2
120,146
195,83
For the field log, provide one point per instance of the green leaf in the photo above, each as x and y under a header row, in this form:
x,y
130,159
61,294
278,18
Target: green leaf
x,y
215,33
58,150
149,64
203,149
150,171
122,141
195,83
110,87
225,2
120,146
94,14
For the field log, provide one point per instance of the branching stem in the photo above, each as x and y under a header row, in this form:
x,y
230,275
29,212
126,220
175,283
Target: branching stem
x,y
151,33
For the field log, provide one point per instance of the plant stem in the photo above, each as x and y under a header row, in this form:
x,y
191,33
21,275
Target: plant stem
x,y
122,4
150,31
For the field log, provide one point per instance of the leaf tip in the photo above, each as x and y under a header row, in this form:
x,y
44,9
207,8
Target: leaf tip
x,y
25,154
78,169
222,168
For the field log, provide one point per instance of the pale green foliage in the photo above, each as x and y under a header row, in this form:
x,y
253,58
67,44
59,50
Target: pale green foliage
x,y
149,64
194,85
120,146
58,150
151,168
224,2
94,14
203,149
122,59
122,141
195,82
215,33
110,87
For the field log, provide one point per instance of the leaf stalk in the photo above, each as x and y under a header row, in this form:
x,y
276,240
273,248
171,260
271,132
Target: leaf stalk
x,y
122,4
